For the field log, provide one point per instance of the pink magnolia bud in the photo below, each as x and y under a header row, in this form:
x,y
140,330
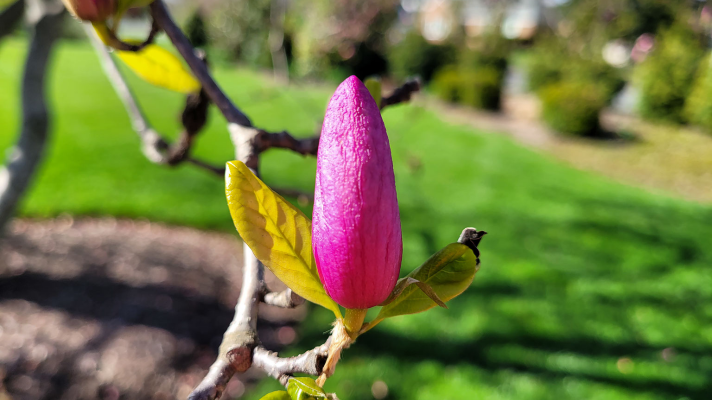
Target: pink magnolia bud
x,y
91,10
356,232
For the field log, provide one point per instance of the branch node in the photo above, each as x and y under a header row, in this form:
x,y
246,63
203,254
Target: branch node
x,y
285,299
240,358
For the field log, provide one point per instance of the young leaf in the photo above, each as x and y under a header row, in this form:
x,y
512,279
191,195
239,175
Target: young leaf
x,y
448,272
278,395
305,389
277,232
160,67
374,87
403,283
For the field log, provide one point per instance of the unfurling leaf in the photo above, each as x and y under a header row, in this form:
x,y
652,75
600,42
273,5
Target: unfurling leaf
x,y
448,272
160,67
374,87
278,395
305,389
277,232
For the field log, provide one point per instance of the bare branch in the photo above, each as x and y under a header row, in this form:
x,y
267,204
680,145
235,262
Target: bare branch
x,y
284,299
229,110
402,94
10,17
240,345
219,171
154,146
310,362
306,146
240,339
16,175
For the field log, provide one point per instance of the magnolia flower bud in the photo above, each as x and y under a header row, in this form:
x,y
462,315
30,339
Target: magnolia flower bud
x,y
91,10
356,232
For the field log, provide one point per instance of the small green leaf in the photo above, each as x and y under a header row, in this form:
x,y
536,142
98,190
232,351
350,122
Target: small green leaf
x,y
403,283
448,272
278,395
305,389
277,232
374,87
160,67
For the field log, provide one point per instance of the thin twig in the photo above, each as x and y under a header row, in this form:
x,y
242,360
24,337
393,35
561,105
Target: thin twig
x,y
401,94
307,146
240,345
112,40
154,146
282,369
229,110
284,299
219,171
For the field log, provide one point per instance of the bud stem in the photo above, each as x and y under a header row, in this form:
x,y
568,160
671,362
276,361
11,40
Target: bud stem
x,y
353,320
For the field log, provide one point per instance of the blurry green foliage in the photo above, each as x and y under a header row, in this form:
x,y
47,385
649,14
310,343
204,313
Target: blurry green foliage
x,y
477,78
335,39
477,87
414,56
698,106
602,21
551,61
572,107
665,77
239,30
195,30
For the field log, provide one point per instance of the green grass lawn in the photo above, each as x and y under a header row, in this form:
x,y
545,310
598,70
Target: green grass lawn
x,y
588,289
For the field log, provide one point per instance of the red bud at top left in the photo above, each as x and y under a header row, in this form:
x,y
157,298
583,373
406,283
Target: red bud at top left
x,y
91,10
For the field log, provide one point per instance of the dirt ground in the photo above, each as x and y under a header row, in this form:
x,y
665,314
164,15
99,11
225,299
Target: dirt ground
x,y
115,309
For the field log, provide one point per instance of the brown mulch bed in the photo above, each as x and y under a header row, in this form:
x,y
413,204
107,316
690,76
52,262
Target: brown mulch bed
x,y
117,309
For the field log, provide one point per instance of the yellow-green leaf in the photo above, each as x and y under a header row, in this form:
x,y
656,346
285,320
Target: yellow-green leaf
x,y
374,87
277,232
278,395
160,67
448,272
305,389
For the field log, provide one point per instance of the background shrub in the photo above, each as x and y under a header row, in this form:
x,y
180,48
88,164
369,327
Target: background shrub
x,y
551,62
196,31
477,87
573,107
698,106
665,78
415,56
238,30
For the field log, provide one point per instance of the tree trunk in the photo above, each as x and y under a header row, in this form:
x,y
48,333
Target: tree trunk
x,y
16,175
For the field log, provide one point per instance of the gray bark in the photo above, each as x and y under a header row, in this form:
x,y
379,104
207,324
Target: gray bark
x,y
16,175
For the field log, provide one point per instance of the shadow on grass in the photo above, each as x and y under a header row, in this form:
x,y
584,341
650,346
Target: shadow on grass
x,y
583,296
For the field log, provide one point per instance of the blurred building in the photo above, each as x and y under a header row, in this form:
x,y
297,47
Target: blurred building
x,y
437,20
